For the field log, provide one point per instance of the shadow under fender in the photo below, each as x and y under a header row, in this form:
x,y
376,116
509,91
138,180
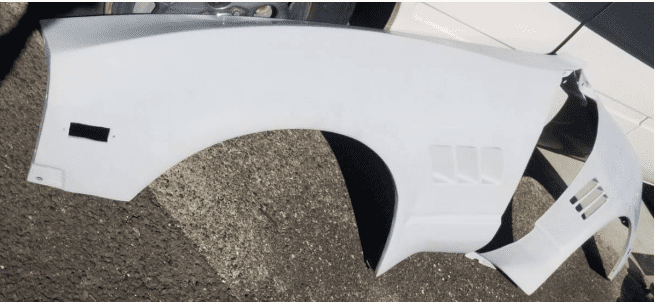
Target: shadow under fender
x,y
372,192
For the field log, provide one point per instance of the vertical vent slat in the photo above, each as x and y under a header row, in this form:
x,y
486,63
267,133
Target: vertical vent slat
x,y
586,189
594,207
467,165
589,198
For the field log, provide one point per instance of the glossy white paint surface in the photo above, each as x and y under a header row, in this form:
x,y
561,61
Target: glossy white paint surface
x,y
529,26
642,140
170,111
421,19
627,118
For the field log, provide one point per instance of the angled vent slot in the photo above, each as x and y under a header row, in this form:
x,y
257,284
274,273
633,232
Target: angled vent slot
x,y
443,164
594,207
463,164
586,189
589,198
491,162
467,165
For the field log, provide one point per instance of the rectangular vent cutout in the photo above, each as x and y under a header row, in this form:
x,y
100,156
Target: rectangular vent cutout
x,y
467,165
594,207
91,132
587,200
586,189
463,164
443,164
491,161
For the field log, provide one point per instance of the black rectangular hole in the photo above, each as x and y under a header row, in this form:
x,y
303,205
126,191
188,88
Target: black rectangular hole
x,y
583,192
91,132
573,200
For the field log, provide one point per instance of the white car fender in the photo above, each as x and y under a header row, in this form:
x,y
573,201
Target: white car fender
x,y
454,123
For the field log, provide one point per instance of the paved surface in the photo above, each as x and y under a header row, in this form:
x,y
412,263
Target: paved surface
x,y
265,217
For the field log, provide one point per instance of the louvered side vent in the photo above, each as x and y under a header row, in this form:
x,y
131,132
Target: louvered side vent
x,y
465,165
443,164
589,198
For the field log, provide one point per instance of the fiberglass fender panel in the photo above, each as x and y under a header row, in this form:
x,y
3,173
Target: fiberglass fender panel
x,y
455,123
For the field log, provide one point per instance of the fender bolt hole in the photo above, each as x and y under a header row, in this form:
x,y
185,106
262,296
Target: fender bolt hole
x,y
39,178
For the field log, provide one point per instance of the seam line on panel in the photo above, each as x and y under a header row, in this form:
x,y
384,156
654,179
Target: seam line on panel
x,y
460,21
605,7
643,120
624,105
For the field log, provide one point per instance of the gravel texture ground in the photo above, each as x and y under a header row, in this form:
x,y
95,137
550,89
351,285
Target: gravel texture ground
x,y
264,217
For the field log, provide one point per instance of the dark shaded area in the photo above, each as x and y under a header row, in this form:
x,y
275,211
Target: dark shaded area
x,y
645,262
628,25
14,41
128,8
331,12
504,235
647,196
91,132
572,132
588,17
624,221
581,11
543,172
633,287
372,192
86,9
591,252
570,85
372,14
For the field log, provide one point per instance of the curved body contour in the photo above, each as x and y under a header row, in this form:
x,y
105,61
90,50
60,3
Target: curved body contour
x,y
607,187
455,123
